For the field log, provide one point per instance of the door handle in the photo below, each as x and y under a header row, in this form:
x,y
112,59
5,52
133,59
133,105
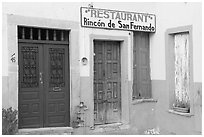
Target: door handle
x,y
56,89
41,78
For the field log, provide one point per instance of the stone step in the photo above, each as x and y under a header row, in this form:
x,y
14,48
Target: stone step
x,y
109,128
46,131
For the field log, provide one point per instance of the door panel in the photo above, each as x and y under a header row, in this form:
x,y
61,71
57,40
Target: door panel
x,y
43,85
107,90
56,85
30,88
112,75
141,67
99,78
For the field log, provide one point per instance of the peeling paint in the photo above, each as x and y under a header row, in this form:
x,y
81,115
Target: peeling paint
x,y
182,68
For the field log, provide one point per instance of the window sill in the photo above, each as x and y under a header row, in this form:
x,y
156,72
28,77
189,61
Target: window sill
x,y
139,101
180,113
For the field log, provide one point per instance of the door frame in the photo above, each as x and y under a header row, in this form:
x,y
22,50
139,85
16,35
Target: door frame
x,y
40,86
44,44
10,43
125,83
104,80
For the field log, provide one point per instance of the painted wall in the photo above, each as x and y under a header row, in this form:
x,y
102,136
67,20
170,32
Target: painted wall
x,y
168,18
65,12
10,82
168,15
165,16
87,70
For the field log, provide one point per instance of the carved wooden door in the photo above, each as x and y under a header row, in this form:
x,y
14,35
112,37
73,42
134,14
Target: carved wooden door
x,y
30,87
107,82
43,85
56,84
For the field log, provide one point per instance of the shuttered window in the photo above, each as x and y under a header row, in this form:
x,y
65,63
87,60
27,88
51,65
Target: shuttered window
x,y
43,34
182,69
141,66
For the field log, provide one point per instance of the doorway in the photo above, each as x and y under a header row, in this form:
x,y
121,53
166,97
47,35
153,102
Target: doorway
x,y
107,82
43,78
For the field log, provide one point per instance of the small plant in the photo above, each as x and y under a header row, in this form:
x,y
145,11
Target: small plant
x,y
9,121
153,131
182,104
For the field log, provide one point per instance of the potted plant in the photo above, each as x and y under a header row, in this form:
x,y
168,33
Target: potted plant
x,y
181,106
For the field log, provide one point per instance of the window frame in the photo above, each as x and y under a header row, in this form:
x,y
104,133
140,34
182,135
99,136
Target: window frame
x,y
170,66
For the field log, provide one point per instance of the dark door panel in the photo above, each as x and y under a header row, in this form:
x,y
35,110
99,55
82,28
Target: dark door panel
x,y
43,85
141,66
30,87
56,85
107,90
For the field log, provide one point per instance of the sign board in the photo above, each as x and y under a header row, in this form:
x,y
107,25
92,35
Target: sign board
x,y
121,20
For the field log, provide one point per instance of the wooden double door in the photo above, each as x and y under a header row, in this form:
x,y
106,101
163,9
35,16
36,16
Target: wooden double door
x,y
107,82
43,85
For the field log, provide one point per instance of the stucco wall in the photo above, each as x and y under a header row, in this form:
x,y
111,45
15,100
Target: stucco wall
x,y
171,15
168,18
172,122
168,15
64,11
10,83
165,18
86,71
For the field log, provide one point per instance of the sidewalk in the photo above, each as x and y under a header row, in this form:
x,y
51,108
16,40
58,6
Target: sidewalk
x,y
130,132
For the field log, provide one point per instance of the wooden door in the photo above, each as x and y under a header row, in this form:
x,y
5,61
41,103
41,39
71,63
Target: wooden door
x,y
30,88
43,85
141,66
56,85
107,82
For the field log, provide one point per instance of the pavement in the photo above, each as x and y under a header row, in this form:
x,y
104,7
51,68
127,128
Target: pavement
x,y
81,131
126,132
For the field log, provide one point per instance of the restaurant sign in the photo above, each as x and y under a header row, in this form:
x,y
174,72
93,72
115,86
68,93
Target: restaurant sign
x,y
121,20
